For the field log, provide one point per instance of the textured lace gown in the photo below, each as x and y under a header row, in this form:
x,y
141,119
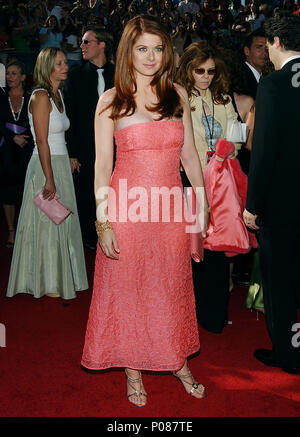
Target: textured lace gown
x,y
142,313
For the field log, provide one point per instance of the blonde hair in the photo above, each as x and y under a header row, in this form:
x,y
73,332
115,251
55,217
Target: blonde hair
x,y
44,67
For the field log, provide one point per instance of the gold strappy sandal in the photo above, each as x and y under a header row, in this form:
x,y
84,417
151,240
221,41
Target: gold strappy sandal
x,y
139,394
195,385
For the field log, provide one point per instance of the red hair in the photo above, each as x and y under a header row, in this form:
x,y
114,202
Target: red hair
x,y
168,100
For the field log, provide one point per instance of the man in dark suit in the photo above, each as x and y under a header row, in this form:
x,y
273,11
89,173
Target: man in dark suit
x,y
82,90
255,60
273,205
256,56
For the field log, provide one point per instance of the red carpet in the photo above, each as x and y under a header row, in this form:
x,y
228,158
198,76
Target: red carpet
x,y
41,376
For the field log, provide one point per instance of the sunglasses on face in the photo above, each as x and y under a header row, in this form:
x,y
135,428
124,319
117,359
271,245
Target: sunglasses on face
x,y
87,41
210,71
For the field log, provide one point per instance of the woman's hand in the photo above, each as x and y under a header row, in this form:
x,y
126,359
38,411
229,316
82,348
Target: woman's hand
x,y
249,220
21,140
109,244
205,223
75,165
49,190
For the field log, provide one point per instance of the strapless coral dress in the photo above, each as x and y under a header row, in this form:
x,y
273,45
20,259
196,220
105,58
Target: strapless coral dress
x,y
142,313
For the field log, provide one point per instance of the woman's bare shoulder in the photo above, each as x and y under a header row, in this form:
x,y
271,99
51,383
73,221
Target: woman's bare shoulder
x,y
106,100
248,99
40,95
40,99
107,97
245,100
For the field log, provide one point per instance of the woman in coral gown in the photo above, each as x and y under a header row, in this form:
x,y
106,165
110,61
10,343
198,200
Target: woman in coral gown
x,y
142,314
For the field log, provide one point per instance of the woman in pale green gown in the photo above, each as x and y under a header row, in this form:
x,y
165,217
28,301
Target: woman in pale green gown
x,y
48,259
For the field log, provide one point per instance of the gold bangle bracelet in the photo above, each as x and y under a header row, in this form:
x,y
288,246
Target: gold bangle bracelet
x,y
102,227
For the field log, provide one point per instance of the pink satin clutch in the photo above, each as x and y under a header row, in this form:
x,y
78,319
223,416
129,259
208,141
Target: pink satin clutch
x,y
54,208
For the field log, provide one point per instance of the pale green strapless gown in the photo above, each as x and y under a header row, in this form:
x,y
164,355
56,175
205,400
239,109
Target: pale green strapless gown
x,y
48,258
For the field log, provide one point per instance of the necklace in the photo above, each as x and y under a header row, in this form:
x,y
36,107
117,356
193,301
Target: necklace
x,y
16,115
58,103
211,131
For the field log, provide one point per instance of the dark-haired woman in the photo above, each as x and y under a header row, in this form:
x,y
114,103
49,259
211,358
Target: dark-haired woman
x,y
51,34
16,143
202,72
142,314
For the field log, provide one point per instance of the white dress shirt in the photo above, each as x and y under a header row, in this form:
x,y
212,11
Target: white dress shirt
x,y
101,83
290,59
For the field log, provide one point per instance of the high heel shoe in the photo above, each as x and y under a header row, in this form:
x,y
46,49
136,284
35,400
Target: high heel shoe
x,y
259,311
195,385
138,394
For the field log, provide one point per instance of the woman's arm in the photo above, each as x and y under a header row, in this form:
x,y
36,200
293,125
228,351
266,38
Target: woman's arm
x,y
104,149
250,124
191,162
231,115
43,36
40,107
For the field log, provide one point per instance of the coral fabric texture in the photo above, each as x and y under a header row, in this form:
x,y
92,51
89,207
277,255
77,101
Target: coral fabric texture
x,y
142,313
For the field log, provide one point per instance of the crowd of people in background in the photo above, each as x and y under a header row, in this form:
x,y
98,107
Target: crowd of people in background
x,y
28,27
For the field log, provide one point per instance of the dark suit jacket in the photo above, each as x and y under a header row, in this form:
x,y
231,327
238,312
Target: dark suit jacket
x,y
81,98
273,180
251,82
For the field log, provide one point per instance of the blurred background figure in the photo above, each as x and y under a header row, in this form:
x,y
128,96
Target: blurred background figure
x,y
16,144
48,259
51,34
84,86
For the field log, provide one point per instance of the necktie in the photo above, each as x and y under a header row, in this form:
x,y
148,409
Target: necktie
x,y
101,83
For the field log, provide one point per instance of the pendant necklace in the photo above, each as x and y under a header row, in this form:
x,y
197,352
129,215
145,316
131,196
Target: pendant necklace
x,y
211,131
16,116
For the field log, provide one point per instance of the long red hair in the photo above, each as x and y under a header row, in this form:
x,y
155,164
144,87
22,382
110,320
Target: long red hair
x,y
125,84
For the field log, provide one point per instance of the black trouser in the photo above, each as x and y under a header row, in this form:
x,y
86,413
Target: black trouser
x,y
211,286
280,265
85,197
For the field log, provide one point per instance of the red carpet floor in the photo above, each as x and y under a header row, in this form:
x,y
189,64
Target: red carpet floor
x,y
41,376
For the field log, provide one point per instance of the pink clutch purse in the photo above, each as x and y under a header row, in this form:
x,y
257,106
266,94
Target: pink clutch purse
x,y
54,208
